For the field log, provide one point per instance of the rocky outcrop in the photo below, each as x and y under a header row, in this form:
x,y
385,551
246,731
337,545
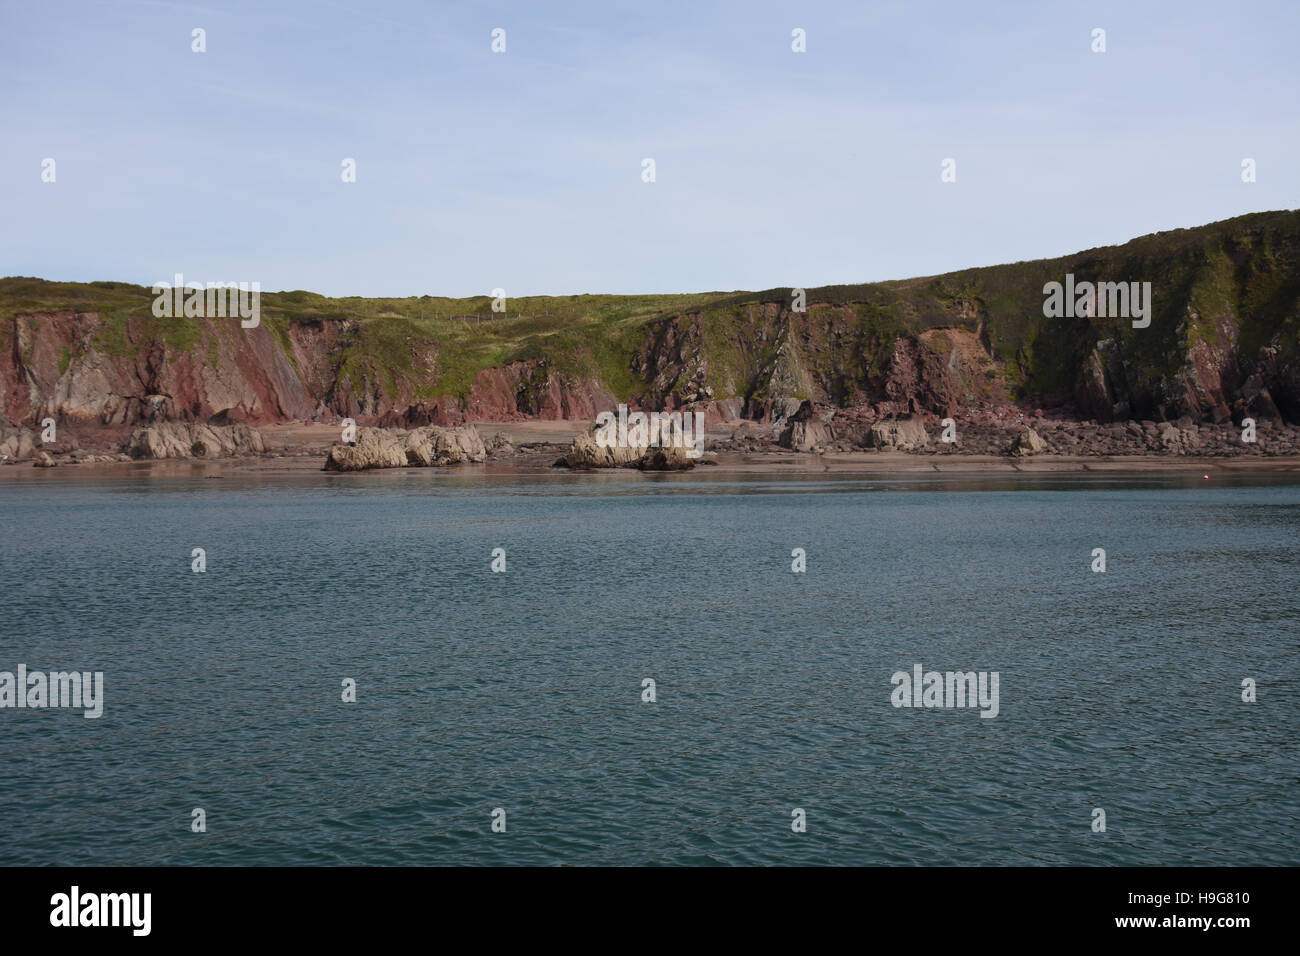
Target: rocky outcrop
x,y
1028,442
806,436
499,446
18,443
918,380
587,452
1179,440
373,448
907,434
190,440
91,368
94,368
434,446
805,431
535,389
673,365
1220,345
431,446
422,413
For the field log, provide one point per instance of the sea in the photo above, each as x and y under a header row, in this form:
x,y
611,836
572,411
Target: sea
x,y
534,667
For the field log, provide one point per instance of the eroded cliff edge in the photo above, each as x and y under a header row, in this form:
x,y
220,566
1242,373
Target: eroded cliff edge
x,y
1223,344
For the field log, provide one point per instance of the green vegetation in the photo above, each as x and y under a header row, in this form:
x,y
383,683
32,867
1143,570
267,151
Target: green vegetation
x,y
1242,275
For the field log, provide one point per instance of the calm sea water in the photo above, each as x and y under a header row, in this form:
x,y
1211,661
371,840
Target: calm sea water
x,y
522,690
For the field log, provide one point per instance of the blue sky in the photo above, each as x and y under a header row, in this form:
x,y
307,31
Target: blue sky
x,y
522,170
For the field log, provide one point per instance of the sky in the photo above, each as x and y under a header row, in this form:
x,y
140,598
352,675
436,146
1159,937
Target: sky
x,y
523,170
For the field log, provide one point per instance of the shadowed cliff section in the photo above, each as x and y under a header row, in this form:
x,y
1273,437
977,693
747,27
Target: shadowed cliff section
x,y
1223,343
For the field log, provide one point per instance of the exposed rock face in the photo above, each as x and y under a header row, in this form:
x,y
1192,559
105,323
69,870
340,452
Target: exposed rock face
x,y
422,413
445,446
906,434
374,448
1213,378
720,410
806,430
806,436
58,364
672,363
1100,387
17,443
43,460
1221,345
784,357
1028,442
535,389
919,379
61,367
424,447
1179,441
586,452
752,431
191,440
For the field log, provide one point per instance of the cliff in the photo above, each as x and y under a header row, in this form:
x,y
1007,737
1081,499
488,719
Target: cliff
x,y
1223,343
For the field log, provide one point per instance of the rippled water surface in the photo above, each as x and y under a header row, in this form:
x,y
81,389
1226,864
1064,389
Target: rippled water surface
x,y
522,690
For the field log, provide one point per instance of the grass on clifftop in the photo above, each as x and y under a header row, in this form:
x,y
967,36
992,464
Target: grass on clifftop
x,y
1244,270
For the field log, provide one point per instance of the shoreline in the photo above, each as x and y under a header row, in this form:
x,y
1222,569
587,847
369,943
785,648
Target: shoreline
x,y
299,448
752,463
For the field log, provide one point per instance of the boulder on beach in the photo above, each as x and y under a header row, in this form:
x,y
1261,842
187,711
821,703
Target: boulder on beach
x,y
17,443
431,446
1028,442
434,445
373,448
1179,441
805,436
587,452
805,429
903,434
194,440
